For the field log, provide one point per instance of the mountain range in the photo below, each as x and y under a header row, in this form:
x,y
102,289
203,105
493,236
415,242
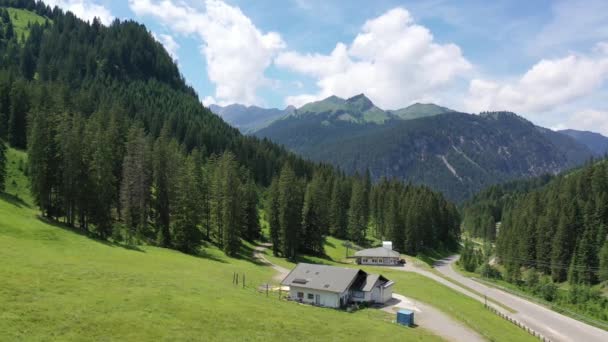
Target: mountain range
x,y
449,151
597,143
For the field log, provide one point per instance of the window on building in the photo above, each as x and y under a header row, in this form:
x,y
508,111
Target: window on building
x,y
311,296
300,294
358,294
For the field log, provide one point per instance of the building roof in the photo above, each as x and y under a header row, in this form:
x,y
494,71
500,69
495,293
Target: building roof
x,y
321,277
379,252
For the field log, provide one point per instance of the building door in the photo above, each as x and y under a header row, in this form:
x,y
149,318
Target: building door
x,y
317,299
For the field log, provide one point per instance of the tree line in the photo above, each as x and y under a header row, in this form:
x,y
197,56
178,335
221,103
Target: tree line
x,y
121,148
560,229
301,214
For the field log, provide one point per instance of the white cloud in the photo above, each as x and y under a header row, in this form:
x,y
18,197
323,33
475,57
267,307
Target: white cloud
x,y
169,43
587,120
236,51
84,9
392,60
548,84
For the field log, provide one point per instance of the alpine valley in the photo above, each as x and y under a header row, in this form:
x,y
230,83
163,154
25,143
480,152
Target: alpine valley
x,y
449,151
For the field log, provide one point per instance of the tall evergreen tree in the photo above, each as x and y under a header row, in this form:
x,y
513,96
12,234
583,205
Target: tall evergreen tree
x,y
290,212
273,213
252,222
357,216
185,232
135,187
163,187
42,154
312,223
19,108
3,158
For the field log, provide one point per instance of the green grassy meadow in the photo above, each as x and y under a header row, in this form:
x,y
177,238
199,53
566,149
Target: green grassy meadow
x,y
21,18
464,309
56,284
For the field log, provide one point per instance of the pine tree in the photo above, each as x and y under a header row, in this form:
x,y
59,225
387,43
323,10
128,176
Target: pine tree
x,y
3,158
273,213
357,223
163,187
232,209
339,209
185,233
290,212
135,187
42,162
101,179
603,258
252,221
19,108
312,229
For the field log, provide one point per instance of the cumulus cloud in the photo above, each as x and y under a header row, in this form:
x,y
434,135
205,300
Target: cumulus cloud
x,y
236,51
84,9
392,60
548,84
169,43
587,120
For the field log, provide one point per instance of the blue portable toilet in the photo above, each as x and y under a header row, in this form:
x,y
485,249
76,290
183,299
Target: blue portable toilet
x,y
405,317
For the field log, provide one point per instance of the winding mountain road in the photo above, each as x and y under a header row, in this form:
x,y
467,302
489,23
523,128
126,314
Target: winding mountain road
x,y
551,324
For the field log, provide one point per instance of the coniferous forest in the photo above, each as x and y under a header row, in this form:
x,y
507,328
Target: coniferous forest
x,y
553,230
120,147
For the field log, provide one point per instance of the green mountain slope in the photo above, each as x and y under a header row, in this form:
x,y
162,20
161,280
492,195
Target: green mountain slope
x,y
455,153
596,142
357,109
420,110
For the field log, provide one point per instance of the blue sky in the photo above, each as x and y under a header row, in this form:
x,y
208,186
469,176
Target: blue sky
x,y
545,60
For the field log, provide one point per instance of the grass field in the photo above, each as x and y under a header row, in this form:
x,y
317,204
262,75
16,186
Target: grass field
x,y
56,284
413,285
21,18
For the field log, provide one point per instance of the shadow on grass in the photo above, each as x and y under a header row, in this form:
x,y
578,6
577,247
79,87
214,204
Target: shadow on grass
x,y
436,257
204,254
14,200
90,235
246,253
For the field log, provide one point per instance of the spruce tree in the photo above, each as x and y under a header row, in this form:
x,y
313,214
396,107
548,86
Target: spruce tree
x,y
19,108
232,213
273,213
312,225
357,218
185,232
135,186
290,212
603,261
3,158
163,187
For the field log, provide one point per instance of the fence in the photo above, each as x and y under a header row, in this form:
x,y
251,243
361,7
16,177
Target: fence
x,y
517,323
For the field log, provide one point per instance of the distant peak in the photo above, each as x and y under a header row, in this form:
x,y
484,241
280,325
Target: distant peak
x,y
360,97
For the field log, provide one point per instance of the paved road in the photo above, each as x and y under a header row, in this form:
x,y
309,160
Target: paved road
x,y
551,324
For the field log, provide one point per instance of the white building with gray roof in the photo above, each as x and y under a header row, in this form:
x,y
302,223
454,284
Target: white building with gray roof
x,y
335,287
378,256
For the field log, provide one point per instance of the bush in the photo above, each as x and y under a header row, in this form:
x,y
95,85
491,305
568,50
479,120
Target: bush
x,y
488,271
547,289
